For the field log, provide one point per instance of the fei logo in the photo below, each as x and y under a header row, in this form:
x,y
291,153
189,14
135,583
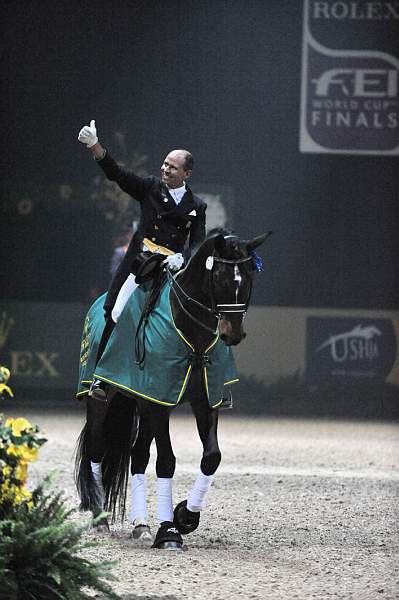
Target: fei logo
x,y
350,94
345,347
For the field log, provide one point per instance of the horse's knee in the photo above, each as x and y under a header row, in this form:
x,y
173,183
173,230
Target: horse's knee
x,y
139,460
210,462
139,466
165,466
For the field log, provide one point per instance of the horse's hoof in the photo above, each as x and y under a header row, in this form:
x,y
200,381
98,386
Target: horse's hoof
x,y
142,533
101,526
168,537
173,546
185,520
102,529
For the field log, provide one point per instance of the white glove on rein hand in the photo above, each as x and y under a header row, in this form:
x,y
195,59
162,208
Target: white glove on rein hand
x,y
88,134
174,262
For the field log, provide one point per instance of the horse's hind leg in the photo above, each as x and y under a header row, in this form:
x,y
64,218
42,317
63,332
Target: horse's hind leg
x,y
91,449
187,513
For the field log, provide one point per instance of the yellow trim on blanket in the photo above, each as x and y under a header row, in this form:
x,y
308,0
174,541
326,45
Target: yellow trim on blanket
x,y
218,404
213,343
232,381
206,383
183,389
125,387
182,336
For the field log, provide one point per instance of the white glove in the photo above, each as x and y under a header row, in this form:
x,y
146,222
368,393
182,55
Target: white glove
x,y
174,262
88,135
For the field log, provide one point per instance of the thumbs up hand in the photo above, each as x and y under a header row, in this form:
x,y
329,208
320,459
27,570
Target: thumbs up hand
x,y
88,134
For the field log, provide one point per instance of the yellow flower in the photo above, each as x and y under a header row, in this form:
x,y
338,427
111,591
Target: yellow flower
x,y
6,388
19,425
22,495
13,450
4,487
21,472
28,454
6,471
14,494
4,374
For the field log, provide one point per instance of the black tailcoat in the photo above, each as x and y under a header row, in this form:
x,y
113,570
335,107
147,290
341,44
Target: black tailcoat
x,y
177,227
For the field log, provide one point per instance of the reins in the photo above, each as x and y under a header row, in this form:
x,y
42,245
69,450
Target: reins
x,y
139,346
217,309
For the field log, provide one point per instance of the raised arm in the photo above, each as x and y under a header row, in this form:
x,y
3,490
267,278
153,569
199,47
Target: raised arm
x,y
128,181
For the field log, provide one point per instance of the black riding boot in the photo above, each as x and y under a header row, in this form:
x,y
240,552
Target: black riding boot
x,y
98,388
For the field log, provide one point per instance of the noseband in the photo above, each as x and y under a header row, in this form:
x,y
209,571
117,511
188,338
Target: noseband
x,y
217,310
234,307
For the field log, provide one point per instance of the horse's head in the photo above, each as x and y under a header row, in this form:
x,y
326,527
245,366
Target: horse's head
x,y
232,266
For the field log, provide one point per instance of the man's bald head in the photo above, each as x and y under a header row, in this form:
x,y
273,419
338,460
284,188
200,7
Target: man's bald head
x,y
177,168
186,156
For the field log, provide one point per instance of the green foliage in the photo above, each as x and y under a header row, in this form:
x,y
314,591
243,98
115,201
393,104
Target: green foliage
x,y
40,554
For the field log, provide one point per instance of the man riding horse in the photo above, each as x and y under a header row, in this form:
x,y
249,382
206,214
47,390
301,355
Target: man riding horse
x,y
172,221
194,320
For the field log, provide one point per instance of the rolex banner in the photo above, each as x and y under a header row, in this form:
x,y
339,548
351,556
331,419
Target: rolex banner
x,y
356,348
350,83
40,343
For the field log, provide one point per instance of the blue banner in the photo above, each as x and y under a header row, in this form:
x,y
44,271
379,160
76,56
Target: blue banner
x,y
347,347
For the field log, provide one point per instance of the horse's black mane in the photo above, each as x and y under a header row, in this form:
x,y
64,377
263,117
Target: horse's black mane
x,y
234,247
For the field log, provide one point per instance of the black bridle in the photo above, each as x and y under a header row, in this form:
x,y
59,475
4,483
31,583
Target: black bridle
x,y
217,310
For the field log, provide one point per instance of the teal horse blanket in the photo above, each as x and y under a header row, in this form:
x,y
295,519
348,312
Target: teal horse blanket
x,y
167,367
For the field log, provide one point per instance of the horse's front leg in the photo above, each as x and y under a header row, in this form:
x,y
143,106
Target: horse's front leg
x,y
167,537
187,513
138,486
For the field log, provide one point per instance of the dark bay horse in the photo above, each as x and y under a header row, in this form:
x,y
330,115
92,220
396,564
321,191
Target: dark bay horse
x,y
208,301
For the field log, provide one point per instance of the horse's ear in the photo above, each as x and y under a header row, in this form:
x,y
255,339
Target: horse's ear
x,y
220,243
257,241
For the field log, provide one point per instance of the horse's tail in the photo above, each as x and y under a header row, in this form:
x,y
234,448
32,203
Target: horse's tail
x,y
121,429
88,491
120,432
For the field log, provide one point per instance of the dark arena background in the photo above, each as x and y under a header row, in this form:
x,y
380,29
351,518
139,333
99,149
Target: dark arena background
x,y
291,111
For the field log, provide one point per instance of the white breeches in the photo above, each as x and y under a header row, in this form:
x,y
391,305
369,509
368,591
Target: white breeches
x,y
124,294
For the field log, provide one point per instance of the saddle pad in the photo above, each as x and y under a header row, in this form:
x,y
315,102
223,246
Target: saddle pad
x,y
167,367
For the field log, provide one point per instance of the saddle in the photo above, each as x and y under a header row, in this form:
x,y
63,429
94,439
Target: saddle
x,y
145,265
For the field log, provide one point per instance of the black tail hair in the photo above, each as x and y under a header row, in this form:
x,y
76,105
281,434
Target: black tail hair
x,y
121,427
